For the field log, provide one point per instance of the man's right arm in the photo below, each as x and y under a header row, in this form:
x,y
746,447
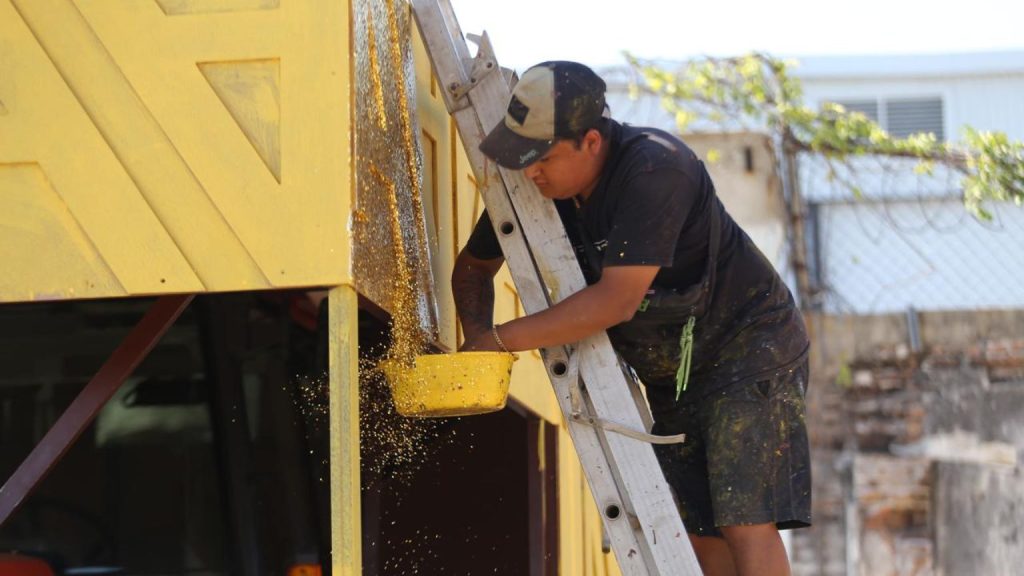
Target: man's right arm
x,y
473,292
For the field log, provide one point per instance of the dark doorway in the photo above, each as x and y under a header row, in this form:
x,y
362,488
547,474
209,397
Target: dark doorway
x,y
462,509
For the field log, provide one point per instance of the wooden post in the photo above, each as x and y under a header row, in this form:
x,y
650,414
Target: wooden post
x,y
343,331
787,158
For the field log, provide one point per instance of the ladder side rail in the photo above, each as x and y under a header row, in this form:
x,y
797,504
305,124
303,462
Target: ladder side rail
x,y
586,439
533,295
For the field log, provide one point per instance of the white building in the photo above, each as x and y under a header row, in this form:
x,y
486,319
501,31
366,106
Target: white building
x,y
907,242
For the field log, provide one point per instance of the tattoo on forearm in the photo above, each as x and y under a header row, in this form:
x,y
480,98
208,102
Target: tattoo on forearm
x,y
474,301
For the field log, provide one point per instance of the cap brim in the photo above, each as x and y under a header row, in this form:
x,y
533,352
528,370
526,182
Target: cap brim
x,y
510,150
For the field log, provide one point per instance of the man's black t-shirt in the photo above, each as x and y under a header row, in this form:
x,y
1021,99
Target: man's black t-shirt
x,y
653,206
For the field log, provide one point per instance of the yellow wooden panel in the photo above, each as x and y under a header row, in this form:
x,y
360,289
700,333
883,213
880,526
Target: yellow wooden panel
x,y
46,126
250,92
438,193
200,145
45,245
172,7
294,230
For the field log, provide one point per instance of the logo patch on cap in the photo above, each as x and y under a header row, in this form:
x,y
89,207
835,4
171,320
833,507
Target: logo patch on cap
x,y
517,110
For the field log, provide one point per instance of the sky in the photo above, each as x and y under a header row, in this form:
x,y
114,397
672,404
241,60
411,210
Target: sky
x,y
596,32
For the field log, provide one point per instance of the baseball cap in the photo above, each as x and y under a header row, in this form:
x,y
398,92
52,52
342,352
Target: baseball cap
x,y
552,100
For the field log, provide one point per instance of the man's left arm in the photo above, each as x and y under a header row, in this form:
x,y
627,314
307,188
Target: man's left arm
x,y
641,241
612,300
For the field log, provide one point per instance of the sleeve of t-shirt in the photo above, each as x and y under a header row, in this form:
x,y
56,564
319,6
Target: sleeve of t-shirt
x,y
483,243
649,218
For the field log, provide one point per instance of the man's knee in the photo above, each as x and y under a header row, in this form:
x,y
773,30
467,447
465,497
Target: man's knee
x,y
708,544
757,549
714,555
750,534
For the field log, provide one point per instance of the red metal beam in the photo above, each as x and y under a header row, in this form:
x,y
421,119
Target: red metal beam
x,y
133,349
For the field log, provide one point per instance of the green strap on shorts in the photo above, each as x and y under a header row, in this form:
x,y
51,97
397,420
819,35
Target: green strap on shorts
x,y
685,357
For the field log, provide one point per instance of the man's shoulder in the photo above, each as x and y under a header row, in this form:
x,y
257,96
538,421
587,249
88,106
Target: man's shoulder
x,y
647,148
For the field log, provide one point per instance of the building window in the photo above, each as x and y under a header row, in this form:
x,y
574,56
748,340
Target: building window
x,y
908,116
902,117
868,108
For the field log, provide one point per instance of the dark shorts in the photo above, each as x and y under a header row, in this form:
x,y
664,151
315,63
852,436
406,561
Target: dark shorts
x,y
745,459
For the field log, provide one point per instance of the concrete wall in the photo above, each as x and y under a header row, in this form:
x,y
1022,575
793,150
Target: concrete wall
x,y
978,514
916,451
742,166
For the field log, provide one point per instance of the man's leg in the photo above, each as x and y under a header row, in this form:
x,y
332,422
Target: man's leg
x,y
714,555
759,467
744,467
757,549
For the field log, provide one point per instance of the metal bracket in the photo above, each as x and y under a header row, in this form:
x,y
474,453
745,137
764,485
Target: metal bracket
x,y
581,415
479,66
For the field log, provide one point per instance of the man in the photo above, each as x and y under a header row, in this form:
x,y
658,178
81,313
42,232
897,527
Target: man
x,y
687,299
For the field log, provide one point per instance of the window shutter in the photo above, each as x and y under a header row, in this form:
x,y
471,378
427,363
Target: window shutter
x,y
908,116
868,108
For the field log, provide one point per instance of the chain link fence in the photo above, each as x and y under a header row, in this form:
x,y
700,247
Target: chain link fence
x,y
883,239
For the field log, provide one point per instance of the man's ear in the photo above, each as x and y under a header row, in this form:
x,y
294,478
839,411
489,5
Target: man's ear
x,y
592,141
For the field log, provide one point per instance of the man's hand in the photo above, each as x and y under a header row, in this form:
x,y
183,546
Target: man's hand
x,y
480,342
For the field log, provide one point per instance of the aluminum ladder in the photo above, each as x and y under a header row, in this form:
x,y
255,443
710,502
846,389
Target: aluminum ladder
x,y
603,408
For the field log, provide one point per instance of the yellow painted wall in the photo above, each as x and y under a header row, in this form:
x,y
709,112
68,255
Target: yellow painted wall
x,y
157,146
453,203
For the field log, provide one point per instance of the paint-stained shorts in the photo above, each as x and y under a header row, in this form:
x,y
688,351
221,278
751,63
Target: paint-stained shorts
x,y
745,459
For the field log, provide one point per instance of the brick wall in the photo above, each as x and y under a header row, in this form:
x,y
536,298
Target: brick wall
x,y
886,415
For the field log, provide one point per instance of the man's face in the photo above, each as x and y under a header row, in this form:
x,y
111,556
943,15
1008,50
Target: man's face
x,y
567,170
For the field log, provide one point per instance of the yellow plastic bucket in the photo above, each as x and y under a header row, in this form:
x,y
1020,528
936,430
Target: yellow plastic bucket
x,y
458,384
